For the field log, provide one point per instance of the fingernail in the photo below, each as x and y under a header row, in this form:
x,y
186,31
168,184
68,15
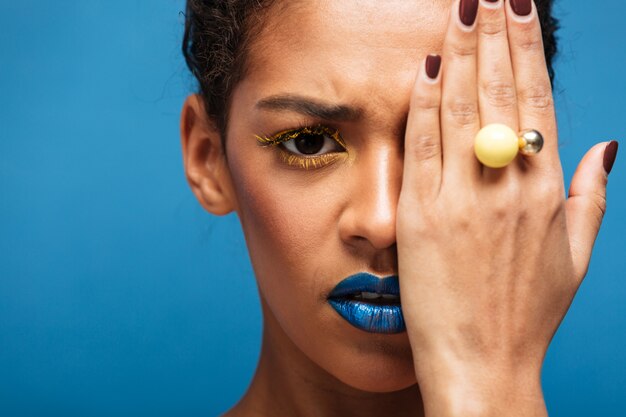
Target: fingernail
x,y
610,152
468,10
522,7
493,1
433,64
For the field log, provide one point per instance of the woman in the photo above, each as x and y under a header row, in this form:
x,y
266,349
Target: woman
x,y
343,135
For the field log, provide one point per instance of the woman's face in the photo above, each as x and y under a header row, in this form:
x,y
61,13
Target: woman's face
x,y
309,224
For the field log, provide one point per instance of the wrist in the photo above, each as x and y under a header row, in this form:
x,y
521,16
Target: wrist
x,y
451,389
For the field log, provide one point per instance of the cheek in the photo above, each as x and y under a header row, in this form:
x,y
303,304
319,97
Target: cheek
x,y
291,232
289,223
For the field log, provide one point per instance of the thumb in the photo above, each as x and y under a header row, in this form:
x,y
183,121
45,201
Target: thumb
x,y
586,203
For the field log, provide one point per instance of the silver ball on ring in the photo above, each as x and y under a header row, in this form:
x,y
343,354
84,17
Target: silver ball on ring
x,y
531,142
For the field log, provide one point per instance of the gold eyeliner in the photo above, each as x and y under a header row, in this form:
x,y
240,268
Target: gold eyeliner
x,y
300,161
290,134
309,162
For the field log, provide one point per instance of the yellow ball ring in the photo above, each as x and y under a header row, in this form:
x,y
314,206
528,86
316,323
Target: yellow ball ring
x,y
496,145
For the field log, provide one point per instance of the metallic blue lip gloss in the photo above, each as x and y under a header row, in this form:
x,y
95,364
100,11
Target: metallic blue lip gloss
x,y
377,311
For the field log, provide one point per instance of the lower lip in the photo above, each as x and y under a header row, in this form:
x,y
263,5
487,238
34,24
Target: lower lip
x,y
373,318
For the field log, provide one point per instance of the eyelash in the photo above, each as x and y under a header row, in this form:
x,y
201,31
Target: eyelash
x,y
299,161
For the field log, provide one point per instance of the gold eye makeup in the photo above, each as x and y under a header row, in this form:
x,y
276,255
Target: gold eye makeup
x,y
306,147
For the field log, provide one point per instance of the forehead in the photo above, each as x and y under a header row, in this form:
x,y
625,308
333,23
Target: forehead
x,y
334,48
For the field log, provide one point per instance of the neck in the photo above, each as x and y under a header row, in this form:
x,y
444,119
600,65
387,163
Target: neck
x,y
288,383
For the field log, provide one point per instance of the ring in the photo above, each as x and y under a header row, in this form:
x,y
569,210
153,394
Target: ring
x,y
496,145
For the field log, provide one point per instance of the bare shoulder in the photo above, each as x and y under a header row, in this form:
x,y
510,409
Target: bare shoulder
x,y
233,412
240,411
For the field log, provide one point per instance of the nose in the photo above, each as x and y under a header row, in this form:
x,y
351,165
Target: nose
x,y
368,221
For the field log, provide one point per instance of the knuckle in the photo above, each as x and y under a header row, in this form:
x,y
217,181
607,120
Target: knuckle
x,y
461,219
424,225
425,147
508,204
500,211
462,112
499,93
547,188
548,197
493,28
462,49
423,222
537,97
547,192
530,43
425,101
599,202
461,215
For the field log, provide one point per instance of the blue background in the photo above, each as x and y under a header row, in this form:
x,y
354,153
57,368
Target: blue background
x,y
113,280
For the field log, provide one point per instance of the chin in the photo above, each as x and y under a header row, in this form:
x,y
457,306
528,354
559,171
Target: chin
x,y
330,351
388,370
381,384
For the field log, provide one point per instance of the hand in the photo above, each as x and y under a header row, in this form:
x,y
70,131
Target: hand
x,y
489,259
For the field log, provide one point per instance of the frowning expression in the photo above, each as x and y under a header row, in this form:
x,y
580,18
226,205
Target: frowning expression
x,y
315,151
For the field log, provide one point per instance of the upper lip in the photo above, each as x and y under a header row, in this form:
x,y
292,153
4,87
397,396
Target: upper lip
x,y
366,282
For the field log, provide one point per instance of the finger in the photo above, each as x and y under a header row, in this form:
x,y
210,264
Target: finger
x,y
422,160
586,203
497,99
459,99
534,91
496,86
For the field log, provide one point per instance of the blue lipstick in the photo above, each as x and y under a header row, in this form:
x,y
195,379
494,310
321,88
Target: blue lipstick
x,y
369,303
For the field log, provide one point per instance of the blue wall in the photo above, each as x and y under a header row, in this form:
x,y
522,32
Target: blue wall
x,y
111,275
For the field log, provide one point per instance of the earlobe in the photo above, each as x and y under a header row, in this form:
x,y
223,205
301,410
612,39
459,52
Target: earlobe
x,y
204,159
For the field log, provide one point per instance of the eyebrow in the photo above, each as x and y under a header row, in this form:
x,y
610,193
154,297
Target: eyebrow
x,y
310,107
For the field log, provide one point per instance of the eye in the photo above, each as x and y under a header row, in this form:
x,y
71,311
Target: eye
x,y
312,143
307,147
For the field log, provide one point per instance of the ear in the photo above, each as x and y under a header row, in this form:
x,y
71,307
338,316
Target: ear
x,y
204,159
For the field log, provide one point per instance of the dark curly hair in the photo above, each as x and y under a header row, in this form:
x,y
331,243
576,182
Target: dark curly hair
x,y
218,34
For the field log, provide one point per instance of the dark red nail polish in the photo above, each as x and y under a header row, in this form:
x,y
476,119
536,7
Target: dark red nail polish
x,y
493,1
522,7
610,152
433,64
468,9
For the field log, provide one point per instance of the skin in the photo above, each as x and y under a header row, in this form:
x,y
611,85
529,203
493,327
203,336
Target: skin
x,y
489,260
